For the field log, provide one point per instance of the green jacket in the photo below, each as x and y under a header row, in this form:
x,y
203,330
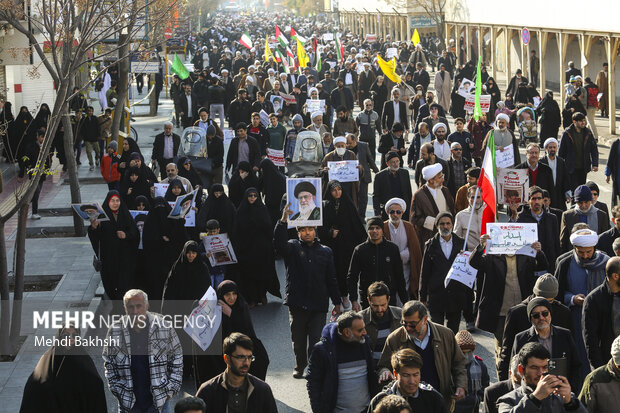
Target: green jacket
x,y
601,390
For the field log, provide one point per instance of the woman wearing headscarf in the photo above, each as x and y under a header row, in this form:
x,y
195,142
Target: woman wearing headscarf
x,y
253,244
134,187
187,282
6,125
129,146
242,179
342,230
186,170
496,96
457,102
272,184
65,380
219,207
549,117
175,189
42,118
19,136
114,242
379,94
573,106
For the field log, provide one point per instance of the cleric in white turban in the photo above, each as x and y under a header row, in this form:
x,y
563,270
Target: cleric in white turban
x,y
429,172
397,201
584,238
439,125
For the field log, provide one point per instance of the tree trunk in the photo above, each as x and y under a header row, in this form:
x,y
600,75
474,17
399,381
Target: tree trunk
x,y
152,97
74,183
18,272
122,87
5,310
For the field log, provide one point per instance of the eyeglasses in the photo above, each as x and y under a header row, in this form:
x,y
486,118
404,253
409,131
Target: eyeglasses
x,y
411,325
394,211
536,316
253,196
244,358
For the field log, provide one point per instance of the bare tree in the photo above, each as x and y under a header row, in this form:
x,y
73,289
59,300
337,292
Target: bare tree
x,y
435,10
64,35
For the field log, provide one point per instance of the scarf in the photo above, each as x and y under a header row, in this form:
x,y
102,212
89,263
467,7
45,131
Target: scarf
x,y
590,216
594,268
475,373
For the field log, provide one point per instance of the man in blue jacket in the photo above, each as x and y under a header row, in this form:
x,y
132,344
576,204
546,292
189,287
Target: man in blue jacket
x,y
310,283
341,374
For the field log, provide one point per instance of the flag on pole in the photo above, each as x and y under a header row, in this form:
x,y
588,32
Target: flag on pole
x,y
281,38
268,52
317,53
477,108
246,40
302,57
296,36
486,182
179,68
339,48
389,69
415,39
279,54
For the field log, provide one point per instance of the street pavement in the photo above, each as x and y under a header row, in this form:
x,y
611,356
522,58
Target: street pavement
x,y
72,258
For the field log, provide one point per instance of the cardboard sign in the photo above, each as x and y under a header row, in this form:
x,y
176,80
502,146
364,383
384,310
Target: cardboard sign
x,y
343,171
511,238
219,250
461,271
470,103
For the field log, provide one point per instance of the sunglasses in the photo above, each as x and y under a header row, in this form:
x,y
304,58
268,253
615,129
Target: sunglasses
x,y
536,316
410,325
395,212
253,196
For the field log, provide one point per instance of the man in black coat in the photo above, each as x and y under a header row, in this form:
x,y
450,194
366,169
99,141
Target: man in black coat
x,y
517,320
310,283
425,110
341,96
607,238
559,341
238,349
497,390
188,107
242,148
421,76
539,173
392,182
583,209
561,191
392,142
600,316
394,111
376,259
548,228
514,83
611,171
165,148
240,109
444,302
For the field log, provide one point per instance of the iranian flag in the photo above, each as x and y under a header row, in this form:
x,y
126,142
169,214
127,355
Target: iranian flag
x,y
246,40
487,184
339,48
317,54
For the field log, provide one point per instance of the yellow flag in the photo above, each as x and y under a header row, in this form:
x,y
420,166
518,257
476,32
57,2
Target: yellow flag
x,y
301,55
389,69
415,39
268,53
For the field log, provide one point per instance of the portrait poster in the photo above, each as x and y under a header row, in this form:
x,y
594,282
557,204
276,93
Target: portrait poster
x,y
305,197
219,250
183,207
160,189
90,211
512,185
276,101
465,87
511,238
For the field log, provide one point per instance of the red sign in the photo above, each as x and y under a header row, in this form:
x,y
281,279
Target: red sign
x,y
168,33
525,36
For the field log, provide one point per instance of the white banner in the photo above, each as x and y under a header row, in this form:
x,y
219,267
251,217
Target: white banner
x,y
511,238
461,271
343,171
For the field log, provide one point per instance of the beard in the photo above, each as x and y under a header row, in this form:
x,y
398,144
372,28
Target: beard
x,y
445,232
306,210
394,219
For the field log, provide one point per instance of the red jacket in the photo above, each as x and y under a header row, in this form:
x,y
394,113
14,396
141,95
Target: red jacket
x,y
109,168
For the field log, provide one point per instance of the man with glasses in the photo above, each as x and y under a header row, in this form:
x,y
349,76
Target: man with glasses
x,y
539,173
443,364
236,390
341,374
458,165
172,172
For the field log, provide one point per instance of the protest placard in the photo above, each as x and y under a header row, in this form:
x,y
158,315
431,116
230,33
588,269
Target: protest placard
x,y
465,88
371,37
288,98
328,37
391,52
229,135
315,105
204,322
134,213
183,207
505,158
510,238
276,156
304,195
219,250
277,103
343,171
470,103
90,211
160,189
461,271
512,185
264,118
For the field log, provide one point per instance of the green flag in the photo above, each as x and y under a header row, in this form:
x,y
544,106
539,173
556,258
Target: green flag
x,y
179,68
477,108
319,64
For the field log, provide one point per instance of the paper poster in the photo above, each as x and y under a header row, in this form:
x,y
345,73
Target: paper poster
x,y
465,88
328,37
391,52
470,103
599,96
134,213
276,156
204,322
461,271
315,105
229,135
219,250
512,186
190,218
536,100
304,195
288,98
160,189
264,118
183,205
510,238
277,102
505,159
343,171
90,211
371,38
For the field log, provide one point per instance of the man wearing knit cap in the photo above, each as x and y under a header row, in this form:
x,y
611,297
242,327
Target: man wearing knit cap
x,y
428,201
392,182
557,340
503,137
517,319
561,192
583,211
376,259
402,233
477,374
579,149
601,315
579,274
441,146
601,389
444,302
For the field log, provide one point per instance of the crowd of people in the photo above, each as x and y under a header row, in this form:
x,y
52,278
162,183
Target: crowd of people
x,y
394,343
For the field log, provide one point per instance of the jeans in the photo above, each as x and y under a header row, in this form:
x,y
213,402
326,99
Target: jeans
x,y
92,146
219,109
306,327
35,197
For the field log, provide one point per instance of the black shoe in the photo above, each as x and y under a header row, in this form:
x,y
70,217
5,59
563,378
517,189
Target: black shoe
x,y
298,374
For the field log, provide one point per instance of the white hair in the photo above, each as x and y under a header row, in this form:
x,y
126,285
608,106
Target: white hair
x,y
367,101
133,293
168,123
